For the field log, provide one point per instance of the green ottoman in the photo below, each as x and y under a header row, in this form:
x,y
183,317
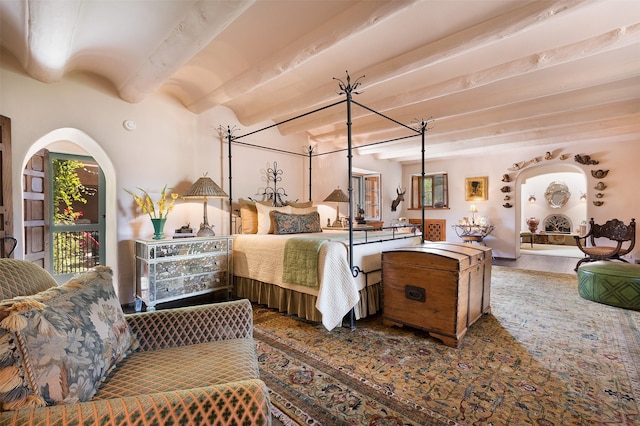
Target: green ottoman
x,y
611,283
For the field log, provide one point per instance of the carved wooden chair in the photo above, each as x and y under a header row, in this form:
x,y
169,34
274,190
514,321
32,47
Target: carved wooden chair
x,y
614,230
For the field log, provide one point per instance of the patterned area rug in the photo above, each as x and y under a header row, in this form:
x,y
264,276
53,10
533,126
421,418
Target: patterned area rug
x,y
544,356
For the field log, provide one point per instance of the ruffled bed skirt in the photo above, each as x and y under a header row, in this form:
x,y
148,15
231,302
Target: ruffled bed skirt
x,y
301,304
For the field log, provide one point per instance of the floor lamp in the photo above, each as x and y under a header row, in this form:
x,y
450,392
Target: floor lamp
x,y
205,188
337,196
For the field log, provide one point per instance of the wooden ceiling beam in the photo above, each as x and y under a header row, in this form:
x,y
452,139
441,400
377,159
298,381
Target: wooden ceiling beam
x,y
476,37
318,40
201,23
615,127
613,40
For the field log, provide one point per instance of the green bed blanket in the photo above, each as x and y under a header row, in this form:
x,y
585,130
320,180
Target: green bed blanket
x,y
301,260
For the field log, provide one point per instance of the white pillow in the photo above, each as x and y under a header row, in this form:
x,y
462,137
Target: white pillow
x,y
265,226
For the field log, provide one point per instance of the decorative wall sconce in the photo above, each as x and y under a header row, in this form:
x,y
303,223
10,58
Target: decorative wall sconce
x,y
532,198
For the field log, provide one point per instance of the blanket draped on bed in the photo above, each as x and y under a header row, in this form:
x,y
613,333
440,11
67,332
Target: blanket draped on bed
x,y
301,261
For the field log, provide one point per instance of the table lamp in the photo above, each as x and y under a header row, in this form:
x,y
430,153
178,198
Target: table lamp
x,y
337,196
205,188
473,209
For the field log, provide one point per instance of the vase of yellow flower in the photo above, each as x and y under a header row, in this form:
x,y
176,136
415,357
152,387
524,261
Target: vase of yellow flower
x,y
158,211
158,228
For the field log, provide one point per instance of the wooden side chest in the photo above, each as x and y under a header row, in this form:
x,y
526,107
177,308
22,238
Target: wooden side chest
x,y
439,287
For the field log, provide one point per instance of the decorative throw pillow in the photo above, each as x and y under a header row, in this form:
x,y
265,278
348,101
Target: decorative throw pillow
x,y
265,226
300,205
296,223
249,215
57,346
304,210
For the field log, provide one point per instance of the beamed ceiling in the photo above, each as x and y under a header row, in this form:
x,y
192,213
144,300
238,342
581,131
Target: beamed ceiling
x,y
491,74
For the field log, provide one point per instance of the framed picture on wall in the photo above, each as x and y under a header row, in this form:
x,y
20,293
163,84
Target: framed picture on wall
x,y
476,188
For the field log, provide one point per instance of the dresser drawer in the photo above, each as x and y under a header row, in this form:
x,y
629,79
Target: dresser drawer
x,y
190,266
173,288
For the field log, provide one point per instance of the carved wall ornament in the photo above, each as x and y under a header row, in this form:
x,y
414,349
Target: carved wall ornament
x,y
564,156
599,174
507,198
585,159
518,166
548,156
507,205
598,203
600,186
506,178
599,195
557,194
505,188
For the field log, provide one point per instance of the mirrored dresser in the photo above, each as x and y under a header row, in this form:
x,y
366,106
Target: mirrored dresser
x,y
172,269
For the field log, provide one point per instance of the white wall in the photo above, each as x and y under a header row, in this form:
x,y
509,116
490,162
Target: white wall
x,y
575,209
621,198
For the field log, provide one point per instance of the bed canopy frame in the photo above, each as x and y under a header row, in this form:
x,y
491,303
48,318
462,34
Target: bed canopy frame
x,y
347,89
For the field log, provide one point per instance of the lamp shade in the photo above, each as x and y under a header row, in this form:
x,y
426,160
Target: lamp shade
x,y
205,187
337,196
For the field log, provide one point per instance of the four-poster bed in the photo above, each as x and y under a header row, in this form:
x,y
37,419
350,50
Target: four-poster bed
x,y
346,265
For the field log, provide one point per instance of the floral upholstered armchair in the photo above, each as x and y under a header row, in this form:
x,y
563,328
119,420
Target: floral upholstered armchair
x,y
68,355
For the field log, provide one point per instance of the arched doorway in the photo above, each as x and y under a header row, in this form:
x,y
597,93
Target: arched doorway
x,y
70,140
533,183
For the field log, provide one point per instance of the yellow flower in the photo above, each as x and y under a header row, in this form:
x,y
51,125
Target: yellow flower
x,y
146,204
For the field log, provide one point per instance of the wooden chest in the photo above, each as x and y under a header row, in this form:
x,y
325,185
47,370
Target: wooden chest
x,y
439,287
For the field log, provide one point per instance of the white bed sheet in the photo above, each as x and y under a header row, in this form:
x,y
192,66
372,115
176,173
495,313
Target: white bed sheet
x,y
260,257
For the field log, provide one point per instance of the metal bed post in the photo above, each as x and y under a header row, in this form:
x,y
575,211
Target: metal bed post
x,y
352,319
310,149
423,126
231,230
347,89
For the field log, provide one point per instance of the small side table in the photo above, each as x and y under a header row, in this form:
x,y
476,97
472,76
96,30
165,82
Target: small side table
x,y
471,233
525,235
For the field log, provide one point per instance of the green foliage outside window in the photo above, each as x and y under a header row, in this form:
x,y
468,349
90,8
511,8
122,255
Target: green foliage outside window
x,y
68,188
431,191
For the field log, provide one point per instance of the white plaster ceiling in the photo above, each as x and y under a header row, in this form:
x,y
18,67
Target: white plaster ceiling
x,y
492,74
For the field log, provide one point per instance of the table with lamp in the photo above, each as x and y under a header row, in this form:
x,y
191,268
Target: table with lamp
x,y
178,268
337,196
472,230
